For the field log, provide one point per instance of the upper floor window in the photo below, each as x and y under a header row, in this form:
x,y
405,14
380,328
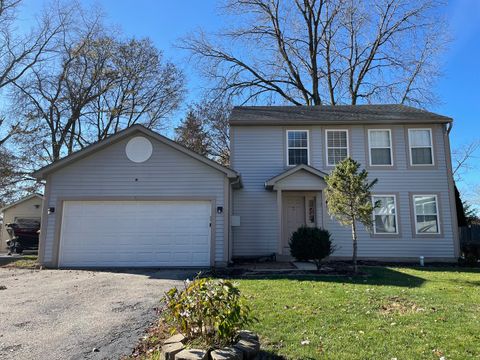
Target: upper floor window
x,y
421,148
426,214
385,214
337,146
297,147
380,147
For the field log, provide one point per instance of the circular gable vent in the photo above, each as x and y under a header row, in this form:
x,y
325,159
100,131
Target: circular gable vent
x,y
139,149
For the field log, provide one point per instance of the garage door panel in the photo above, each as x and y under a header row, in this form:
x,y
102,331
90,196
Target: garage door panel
x,y
200,257
183,257
135,233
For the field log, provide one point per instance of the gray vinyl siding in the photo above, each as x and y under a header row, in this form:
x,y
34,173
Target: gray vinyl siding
x,y
109,173
258,154
254,157
301,180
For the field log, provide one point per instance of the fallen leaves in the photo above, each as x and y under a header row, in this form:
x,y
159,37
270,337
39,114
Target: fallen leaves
x,y
399,305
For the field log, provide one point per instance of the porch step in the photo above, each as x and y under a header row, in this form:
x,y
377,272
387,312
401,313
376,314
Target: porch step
x,y
301,265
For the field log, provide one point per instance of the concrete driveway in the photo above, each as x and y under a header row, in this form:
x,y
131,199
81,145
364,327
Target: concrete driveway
x,y
65,314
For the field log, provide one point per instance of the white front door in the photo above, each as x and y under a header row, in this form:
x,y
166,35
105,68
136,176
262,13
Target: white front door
x,y
135,233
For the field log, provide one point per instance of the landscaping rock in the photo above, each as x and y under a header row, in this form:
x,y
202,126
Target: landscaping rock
x,y
247,335
250,348
170,350
192,354
174,339
228,353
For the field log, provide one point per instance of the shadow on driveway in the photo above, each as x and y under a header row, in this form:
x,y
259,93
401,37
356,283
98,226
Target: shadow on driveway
x,y
151,273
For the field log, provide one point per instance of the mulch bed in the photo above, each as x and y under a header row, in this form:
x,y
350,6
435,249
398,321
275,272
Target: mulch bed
x,y
254,269
273,269
270,265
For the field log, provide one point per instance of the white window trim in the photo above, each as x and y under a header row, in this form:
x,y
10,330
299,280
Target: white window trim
x,y
308,145
410,147
437,215
327,147
396,214
370,147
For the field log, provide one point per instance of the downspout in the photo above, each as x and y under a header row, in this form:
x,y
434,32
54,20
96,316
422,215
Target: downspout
x,y
451,186
238,182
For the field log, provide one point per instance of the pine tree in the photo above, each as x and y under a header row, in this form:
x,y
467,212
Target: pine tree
x,y
348,198
192,135
471,216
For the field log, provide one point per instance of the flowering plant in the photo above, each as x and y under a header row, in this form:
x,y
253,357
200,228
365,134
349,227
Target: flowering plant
x,y
212,310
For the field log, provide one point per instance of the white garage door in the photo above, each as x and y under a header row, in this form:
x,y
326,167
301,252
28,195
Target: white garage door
x,y
135,233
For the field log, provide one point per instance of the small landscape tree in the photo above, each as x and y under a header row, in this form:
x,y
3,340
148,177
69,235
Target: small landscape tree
x,y
348,198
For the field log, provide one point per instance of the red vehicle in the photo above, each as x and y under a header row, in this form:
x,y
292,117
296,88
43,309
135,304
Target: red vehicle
x,y
23,236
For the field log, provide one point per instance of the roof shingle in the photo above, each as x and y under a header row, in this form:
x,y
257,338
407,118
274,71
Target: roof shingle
x,y
339,114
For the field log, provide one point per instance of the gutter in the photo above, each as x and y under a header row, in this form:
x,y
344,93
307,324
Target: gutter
x,y
449,128
237,183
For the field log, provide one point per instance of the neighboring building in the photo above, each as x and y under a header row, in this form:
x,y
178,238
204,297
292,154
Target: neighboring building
x,y
26,210
140,199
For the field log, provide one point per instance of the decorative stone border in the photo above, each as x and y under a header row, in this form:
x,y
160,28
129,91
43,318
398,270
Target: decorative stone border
x,y
246,347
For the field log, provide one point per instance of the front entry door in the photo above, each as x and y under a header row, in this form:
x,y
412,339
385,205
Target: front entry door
x,y
293,215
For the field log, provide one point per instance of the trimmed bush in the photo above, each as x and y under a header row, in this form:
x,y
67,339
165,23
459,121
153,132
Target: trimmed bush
x,y
311,244
471,254
209,310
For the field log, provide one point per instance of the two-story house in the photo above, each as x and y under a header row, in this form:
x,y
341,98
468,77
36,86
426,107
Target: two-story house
x,y
140,199
283,153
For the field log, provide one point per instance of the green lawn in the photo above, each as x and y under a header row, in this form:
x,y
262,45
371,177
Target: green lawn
x,y
401,313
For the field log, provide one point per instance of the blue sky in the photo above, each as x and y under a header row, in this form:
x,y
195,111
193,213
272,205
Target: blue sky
x,y
167,21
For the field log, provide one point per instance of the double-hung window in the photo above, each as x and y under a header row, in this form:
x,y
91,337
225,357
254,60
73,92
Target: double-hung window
x,y
385,214
380,147
426,214
421,146
297,147
337,146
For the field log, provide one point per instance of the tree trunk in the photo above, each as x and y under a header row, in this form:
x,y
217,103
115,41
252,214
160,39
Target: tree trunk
x,y
354,238
55,151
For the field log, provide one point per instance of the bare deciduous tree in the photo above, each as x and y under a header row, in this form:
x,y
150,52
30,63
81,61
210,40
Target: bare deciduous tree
x,y
462,159
313,52
55,94
214,114
146,90
96,85
19,52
